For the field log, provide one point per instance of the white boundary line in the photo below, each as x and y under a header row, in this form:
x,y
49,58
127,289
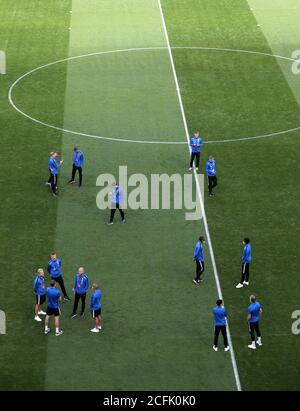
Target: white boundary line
x,y
10,95
233,360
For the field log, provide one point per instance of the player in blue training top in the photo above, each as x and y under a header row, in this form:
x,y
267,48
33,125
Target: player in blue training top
x,y
254,312
78,160
96,307
196,143
54,269
199,259
117,202
220,316
53,167
54,298
211,172
246,260
40,294
81,285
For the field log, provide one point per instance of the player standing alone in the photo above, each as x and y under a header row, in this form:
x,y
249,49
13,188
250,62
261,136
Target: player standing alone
x,y
254,312
78,161
246,260
199,259
96,307
196,143
211,172
53,169
220,316
117,201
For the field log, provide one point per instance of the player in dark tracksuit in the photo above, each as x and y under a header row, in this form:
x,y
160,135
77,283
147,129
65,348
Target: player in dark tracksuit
x,y
220,316
117,201
78,160
254,312
53,167
199,259
196,143
211,172
54,269
246,260
81,285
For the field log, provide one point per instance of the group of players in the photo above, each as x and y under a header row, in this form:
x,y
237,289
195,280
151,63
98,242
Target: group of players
x,y
80,289
219,311
81,283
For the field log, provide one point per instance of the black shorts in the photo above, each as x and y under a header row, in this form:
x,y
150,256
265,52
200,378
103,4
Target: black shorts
x,y
254,327
40,299
53,311
96,313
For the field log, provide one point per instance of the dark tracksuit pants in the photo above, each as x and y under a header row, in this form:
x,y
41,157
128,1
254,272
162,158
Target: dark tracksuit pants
x,y
79,169
212,183
78,297
245,272
196,157
222,329
113,211
53,181
254,328
199,270
60,281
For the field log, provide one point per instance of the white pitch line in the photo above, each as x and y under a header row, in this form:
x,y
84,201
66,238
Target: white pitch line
x,y
233,360
78,133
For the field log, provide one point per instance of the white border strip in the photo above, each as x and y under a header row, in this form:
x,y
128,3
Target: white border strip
x,y
233,360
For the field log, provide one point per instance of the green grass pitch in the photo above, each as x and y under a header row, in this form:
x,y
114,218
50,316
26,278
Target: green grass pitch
x,y
157,327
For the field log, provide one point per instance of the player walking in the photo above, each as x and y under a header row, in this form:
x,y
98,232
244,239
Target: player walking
x,y
117,202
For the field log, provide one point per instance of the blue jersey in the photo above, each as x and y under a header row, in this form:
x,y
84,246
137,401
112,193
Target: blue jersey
x,y
81,283
196,144
53,165
210,168
53,296
78,159
220,315
38,285
54,268
198,252
254,311
117,195
96,300
247,254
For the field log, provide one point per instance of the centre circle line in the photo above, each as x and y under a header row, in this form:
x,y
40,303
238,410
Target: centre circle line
x,y
231,140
